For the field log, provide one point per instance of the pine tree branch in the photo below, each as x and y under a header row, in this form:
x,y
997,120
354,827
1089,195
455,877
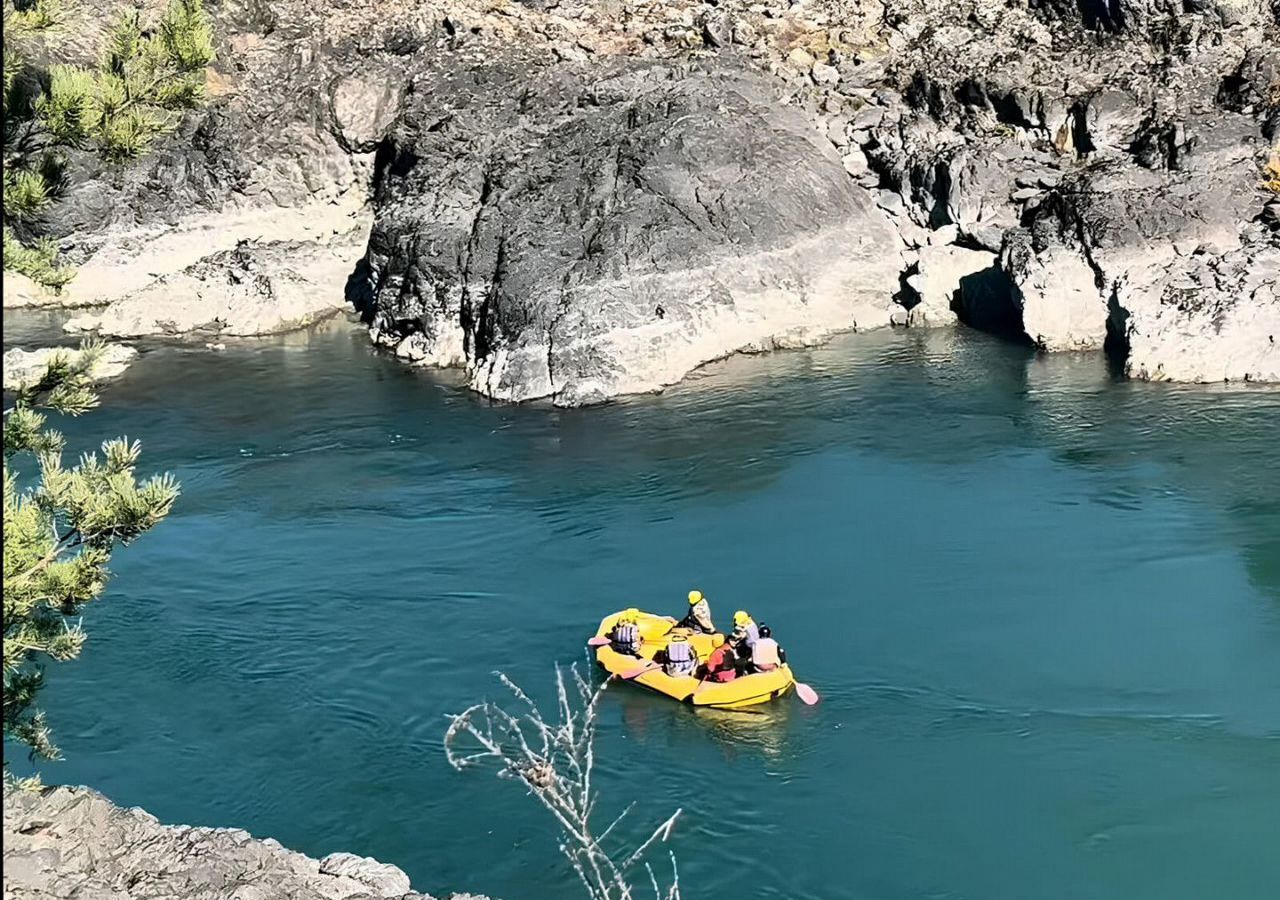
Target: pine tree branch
x,y
47,560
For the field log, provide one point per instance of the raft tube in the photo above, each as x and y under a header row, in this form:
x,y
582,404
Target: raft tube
x,y
656,631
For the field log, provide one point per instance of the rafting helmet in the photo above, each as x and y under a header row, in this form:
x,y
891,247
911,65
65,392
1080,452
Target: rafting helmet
x,y
631,615
741,617
695,597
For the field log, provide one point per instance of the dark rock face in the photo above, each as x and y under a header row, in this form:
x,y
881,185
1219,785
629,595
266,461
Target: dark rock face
x,y
579,237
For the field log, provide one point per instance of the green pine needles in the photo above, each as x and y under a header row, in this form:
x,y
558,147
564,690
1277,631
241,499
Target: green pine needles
x,y
59,533
148,74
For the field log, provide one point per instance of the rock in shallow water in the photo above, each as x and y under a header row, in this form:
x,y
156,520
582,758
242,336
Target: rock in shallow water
x,y
1216,319
19,290
579,238
23,365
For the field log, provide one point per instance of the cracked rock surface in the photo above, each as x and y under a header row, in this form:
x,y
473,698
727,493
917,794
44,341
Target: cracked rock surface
x,y
71,843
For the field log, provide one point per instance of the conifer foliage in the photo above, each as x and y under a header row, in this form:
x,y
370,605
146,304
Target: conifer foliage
x,y
147,75
60,528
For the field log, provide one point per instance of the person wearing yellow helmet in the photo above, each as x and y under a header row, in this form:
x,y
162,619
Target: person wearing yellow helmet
x,y
624,637
698,618
745,634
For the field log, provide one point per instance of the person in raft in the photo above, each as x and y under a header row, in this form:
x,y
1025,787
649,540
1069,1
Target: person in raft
x,y
722,665
624,637
766,655
680,657
744,635
699,616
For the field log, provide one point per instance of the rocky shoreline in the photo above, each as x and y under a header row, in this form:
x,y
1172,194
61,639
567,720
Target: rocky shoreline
x,y
577,200
73,842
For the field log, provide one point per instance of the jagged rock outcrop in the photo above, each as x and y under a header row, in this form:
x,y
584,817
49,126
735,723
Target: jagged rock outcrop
x,y
579,235
71,842
1113,162
1108,154
1173,279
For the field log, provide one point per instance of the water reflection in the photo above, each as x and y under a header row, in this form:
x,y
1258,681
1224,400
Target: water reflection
x,y
760,730
764,730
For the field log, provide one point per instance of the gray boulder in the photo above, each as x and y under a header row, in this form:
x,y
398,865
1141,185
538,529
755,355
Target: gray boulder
x,y
1059,304
577,238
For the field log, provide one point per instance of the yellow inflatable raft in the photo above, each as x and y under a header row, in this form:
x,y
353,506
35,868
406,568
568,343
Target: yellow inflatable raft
x,y
656,631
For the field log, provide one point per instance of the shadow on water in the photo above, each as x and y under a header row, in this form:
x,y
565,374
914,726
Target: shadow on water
x,y
31,328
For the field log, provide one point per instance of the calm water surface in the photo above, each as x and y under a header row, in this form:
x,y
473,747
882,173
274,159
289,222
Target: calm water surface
x,y
1042,607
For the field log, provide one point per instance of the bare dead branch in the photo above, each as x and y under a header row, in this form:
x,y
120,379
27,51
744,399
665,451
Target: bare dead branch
x,y
555,761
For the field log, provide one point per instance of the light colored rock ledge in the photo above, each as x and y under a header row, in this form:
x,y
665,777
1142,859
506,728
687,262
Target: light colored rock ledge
x,y
72,842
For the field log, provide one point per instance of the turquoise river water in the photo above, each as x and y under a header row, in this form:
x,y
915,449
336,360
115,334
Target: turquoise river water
x,y
1042,607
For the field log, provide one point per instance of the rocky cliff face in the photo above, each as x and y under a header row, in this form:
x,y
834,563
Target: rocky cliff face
x,y
576,200
72,842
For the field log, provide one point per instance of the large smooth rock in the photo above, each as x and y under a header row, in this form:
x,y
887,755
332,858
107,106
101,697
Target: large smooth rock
x,y
365,105
131,261
579,237
19,290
